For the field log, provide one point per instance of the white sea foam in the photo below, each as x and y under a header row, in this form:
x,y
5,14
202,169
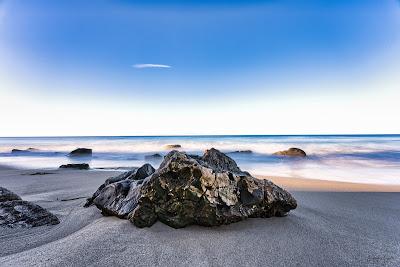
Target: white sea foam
x,y
343,158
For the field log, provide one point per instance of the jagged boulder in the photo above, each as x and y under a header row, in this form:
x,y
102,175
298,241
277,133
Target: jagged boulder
x,y
15,212
208,190
292,152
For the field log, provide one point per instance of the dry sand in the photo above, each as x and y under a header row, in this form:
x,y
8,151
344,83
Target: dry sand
x,y
327,229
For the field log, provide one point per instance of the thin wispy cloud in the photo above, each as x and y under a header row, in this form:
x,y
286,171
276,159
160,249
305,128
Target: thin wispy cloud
x,y
146,66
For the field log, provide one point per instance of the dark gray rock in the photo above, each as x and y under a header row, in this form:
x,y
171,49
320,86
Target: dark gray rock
x,y
81,152
135,174
241,152
208,191
292,152
143,172
77,166
7,195
219,161
16,151
41,173
15,212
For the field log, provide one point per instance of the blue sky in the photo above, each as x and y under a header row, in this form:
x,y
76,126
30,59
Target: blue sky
x,y
300,66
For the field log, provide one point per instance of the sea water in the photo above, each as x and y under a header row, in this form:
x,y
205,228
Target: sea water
x,y
352,158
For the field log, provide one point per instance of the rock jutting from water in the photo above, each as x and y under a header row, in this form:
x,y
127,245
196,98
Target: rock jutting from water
x,y
292,152
81,152
16,151
241,152
15,212
153,157
208,190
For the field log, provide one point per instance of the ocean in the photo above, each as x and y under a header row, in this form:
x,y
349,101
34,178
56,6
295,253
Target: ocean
x,y
351,158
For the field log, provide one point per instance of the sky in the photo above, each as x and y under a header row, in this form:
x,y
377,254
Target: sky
x,y
176,67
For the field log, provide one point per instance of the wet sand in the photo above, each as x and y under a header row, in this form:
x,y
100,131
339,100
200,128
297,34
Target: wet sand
x,y
305,184
327,229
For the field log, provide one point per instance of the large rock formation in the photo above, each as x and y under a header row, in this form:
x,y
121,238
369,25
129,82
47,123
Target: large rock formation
x,y
14,212
292,152
208,190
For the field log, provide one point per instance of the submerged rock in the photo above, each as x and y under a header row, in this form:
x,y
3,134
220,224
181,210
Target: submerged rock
x,y
81,152
241,152
292,152
15,212
208,190
77,166
31,149
153,157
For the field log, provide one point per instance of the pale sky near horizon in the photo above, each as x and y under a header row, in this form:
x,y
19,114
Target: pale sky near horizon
x,y
179,67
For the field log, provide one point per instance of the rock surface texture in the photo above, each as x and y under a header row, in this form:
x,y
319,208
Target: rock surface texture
x,y
14,212
208,190
292,152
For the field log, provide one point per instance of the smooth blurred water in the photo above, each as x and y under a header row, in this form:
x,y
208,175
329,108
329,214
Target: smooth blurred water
x,y
355,158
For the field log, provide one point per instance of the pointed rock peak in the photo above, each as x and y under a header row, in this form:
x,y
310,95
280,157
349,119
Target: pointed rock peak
x,y
144,171
7,195
219,161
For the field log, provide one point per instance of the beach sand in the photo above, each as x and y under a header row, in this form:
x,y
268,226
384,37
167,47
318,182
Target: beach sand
x,y
338,228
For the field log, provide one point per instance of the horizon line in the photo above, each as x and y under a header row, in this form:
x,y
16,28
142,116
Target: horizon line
x,y
200,135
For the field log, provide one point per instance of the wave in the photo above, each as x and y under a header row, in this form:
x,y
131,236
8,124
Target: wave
x,y
350,158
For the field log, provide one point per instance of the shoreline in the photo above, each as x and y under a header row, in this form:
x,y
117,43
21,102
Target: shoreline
x,y
290,183
319,185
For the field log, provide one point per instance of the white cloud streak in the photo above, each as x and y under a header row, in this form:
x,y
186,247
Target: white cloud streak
x,y
146,66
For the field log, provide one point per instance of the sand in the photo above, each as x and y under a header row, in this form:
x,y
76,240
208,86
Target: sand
x,y
305,184
327,229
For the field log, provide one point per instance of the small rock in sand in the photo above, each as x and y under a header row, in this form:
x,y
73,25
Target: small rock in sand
x,y
77,166
15,212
